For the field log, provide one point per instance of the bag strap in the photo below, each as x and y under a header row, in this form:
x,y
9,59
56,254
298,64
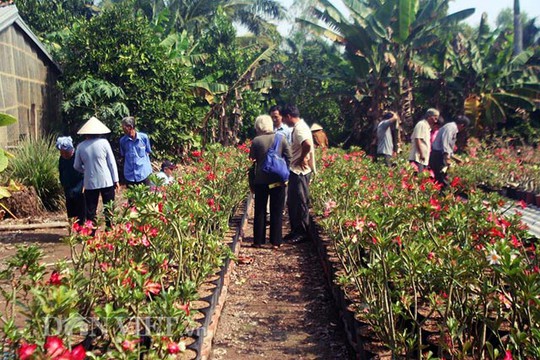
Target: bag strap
x,y
277,141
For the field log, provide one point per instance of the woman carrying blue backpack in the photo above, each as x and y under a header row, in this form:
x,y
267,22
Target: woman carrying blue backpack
x,y
268,178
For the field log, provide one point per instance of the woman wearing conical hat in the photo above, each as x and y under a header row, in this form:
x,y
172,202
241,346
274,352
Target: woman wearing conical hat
x,y
95,159
319,136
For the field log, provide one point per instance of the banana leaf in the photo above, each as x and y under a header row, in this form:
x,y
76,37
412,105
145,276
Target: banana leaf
x,y
6,120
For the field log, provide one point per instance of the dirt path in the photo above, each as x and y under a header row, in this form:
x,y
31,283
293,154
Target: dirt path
x,y
278,307
48,240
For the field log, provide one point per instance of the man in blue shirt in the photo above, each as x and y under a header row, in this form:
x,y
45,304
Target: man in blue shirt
x,y
135,149
442,149
279,126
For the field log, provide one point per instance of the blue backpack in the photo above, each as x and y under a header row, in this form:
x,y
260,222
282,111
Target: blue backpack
x,y
274,163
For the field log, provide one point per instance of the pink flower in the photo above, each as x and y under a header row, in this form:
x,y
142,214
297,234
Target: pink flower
x,y
508,355
151,287
129,345
522,204
26,350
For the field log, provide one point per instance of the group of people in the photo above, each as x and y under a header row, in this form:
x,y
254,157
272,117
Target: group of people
x,y
432,143
90,170
297,147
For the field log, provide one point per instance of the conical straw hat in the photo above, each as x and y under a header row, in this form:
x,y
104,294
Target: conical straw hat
x,y
316,127
93,127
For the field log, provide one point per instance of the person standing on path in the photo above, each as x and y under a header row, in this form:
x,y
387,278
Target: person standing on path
x,y
135,150
421,140
442,149
264,185
95,159
72,181
386,146
279,126
319,136
302,167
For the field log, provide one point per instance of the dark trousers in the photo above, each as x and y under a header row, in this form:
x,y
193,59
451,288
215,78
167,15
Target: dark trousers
x,y
92,197
436,163
298,204
76,208
277,202
133,183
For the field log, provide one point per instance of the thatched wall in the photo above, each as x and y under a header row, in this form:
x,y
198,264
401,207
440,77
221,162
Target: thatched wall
x,y
27,88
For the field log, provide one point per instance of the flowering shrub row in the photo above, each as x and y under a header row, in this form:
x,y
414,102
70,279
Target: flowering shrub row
x,y
128,290
499,165
430,273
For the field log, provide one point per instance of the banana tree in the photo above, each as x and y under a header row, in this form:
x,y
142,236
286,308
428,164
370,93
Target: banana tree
x,y
386,42
226,100
494,82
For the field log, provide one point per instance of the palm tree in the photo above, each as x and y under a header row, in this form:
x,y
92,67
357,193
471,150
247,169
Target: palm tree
x,y
518,29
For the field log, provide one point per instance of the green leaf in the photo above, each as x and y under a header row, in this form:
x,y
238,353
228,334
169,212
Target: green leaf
x,y
3,160
514,101
4,192
406,16
6,119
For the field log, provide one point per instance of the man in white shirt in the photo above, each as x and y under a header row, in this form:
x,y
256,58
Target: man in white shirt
x,y
166,173
442,149
386,146
302,166
420,140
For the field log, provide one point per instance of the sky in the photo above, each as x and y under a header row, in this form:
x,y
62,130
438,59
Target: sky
x,y
492,7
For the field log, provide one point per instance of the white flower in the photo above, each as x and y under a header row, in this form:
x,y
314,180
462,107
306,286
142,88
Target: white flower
x,y
493,258
182,346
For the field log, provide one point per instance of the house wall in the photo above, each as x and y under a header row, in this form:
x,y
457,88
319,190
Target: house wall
x,y
27,88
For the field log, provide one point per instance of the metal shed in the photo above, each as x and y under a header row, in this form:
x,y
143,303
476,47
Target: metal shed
x,y
28,78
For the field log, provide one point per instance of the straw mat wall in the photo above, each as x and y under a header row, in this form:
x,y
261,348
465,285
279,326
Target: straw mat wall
x,y
27,88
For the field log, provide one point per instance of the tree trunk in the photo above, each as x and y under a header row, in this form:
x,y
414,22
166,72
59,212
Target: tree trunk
x,y
518,30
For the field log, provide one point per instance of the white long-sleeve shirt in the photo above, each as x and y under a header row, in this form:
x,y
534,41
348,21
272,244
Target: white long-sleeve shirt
x,y
94,158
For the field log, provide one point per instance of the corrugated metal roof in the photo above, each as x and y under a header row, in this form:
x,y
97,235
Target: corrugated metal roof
x,y
530,215
9,15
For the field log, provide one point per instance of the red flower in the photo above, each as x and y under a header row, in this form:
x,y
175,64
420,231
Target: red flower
x,y
151,287
56,279
508,355
26,350
522,204
78,353
184,307
54,346
435,205
211,176
173,348
196,153
455,182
